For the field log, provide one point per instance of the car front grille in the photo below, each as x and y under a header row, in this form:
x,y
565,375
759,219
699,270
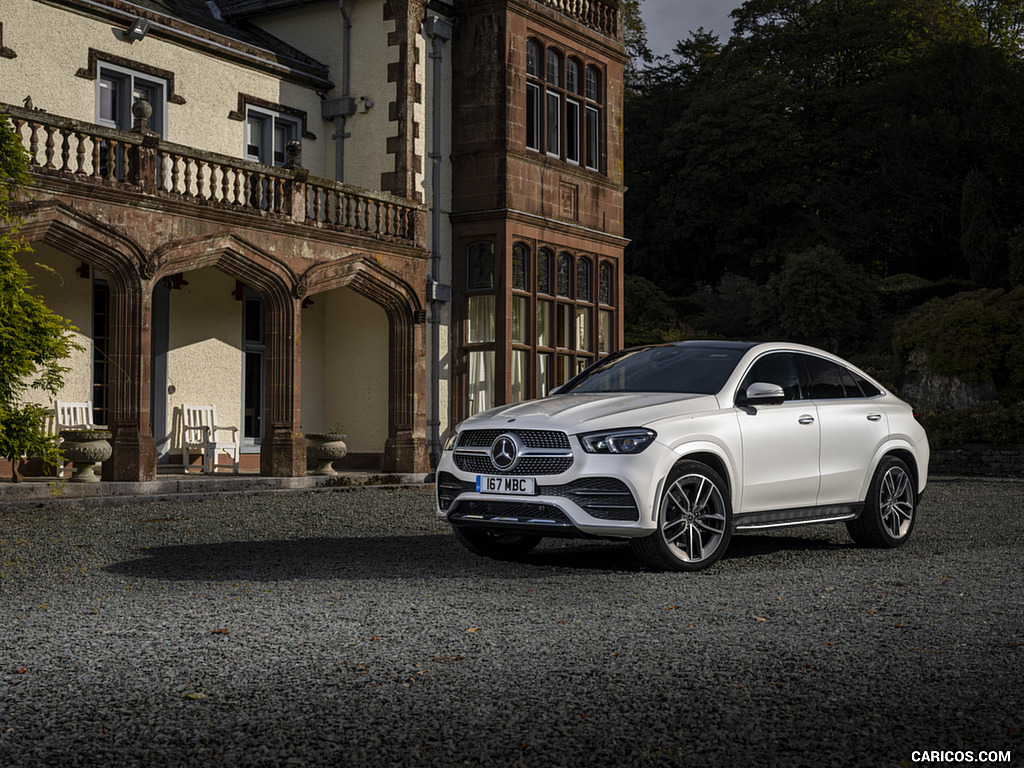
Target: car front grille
x,y
605,498
542,452
530,465
532,438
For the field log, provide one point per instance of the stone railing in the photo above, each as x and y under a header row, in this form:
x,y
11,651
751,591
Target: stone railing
x,y
596,14
139,161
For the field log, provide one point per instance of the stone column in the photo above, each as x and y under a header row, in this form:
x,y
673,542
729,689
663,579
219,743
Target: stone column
x,y
134,449
283,451
406,449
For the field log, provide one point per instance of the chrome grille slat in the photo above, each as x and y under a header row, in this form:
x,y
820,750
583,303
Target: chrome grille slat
x,y
529,465
541,452
532,438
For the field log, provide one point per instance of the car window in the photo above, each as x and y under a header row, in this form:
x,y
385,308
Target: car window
x,y
823,378
695,370
867,389
780,369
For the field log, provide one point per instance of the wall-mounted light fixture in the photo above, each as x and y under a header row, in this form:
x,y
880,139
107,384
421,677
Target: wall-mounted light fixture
x,y
137,29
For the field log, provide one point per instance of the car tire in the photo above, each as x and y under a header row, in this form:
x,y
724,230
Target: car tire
x,y
890,509
694,521
498,545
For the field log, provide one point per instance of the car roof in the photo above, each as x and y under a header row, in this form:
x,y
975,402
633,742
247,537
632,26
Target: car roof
x,y
716,344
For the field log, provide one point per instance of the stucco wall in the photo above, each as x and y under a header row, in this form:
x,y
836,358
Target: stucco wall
x,y
314,417
204,361
69,295
316,30
345,369
46,64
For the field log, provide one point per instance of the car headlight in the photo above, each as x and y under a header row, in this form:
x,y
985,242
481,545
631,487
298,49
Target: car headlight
x,y
632,440
453,438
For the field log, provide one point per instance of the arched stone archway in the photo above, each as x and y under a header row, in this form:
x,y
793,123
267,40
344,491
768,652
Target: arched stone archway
x,y
100,246
133,271
406,449
283,449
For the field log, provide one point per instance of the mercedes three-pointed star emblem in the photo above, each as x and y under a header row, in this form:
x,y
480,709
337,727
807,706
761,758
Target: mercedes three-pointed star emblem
x,y
505,451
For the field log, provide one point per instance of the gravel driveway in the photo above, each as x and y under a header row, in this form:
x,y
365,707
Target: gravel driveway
x,y
351,629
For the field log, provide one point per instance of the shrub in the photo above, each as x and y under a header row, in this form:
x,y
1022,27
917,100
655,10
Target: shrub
x,y
976,336
993,423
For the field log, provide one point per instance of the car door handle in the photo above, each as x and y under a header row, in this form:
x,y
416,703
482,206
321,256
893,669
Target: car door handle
x,y
806,419
874,417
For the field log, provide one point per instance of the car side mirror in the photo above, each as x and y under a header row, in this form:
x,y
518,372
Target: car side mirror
x,y
762,393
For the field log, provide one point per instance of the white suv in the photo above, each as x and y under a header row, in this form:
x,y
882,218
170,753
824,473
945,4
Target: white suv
x,y
676,446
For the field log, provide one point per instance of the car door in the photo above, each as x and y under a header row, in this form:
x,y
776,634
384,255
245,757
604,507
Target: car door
x,y
780,443
852,427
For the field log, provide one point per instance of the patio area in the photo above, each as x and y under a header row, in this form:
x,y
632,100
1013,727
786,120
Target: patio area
x,y
41,492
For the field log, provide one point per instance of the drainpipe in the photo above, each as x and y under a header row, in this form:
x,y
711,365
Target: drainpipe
x,y
439,31
340,109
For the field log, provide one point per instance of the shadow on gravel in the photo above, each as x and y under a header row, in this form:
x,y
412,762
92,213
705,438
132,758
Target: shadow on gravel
x,y
380,557
412,557
754,545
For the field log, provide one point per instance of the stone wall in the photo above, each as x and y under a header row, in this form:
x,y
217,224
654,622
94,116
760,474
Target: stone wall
x,y
979,460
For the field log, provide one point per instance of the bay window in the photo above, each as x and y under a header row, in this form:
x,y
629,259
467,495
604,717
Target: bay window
x,y
564,106
556,318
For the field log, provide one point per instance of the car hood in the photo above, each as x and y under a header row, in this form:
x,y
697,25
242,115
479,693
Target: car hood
x,y
581,412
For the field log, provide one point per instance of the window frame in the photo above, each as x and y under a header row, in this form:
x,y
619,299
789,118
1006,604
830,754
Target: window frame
x,y
269,120
565,105
578,328
128,81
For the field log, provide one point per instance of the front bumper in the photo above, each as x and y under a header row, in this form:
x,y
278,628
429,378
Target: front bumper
x,y
586,495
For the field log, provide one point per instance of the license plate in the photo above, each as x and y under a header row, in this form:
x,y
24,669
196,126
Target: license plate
x,y
523,486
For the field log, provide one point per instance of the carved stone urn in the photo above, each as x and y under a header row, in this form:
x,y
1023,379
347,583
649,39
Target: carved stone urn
x,y
326,448
84,447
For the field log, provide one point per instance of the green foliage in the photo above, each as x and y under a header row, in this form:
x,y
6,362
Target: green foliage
x,y
983,244
651,316
995,424
976,336
854,125
819,298
33,340
727,310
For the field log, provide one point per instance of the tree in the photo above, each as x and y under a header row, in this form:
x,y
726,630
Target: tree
x,y
983,244
846,123
33,340
635,36
821,299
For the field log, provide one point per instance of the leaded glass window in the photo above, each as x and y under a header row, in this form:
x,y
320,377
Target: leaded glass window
x,y
480,267
604,283
564,106
564,273
583,279
532,58
572,76
519,256
554,74
544,271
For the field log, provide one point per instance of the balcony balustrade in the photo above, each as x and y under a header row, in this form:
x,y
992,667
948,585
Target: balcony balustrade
x,y
596,14
140,162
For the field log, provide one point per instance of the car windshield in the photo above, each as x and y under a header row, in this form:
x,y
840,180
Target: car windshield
x,y
701,370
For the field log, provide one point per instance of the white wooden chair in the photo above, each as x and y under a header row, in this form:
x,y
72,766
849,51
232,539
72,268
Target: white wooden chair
x,y
199,431
74,416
